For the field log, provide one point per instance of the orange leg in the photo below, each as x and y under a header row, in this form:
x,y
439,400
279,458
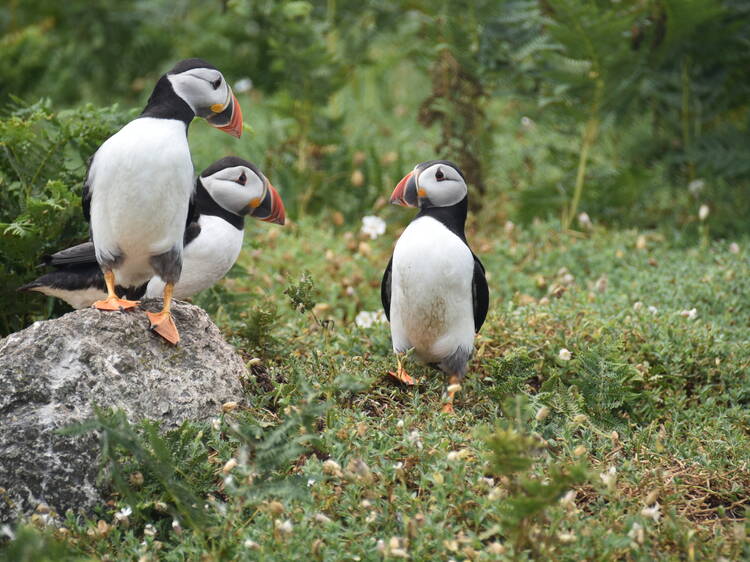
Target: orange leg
x,y
161,322
454,385
401,375
112,302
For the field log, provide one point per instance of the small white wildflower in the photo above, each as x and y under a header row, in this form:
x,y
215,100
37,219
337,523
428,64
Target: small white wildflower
x,y
637,306
542,413
568,501
564,354
703,212
602,283
229,466
366,504
636,533
380,546
364,319
284,527
350,292
584,220
653,512
216,424
653,310
176,527
251,544
566,537
610,477
495,548
689,314
149,530
487,481
372,226
734,248
243,85
124,513
696,186
400,424
398,466
333,468
415,439
527,123
322,518
509,227
310,482
453,456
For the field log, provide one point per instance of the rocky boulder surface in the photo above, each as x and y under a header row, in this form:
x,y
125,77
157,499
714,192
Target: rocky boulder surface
x,y
55,371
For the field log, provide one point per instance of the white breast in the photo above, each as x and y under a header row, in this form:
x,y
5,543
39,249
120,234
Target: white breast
x,y
206,260
431,291
140,180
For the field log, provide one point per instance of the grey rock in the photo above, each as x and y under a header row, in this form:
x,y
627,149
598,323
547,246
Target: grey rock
x,y
55,371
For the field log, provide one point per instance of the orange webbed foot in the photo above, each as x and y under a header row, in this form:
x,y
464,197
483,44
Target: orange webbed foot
x,y
114,303
402,376
447,408
163,324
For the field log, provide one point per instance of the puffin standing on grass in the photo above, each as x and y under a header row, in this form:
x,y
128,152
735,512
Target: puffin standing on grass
x,y
140,181
225,192
434,290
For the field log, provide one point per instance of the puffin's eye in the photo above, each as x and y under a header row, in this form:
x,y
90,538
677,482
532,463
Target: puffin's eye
x,y
439,175
216,83
242,180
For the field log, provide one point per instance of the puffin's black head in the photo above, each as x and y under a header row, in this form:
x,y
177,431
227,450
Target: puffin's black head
x,y
202,87
436,183
240,188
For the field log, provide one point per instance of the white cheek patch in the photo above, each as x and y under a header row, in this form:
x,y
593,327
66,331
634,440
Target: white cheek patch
x,y
444,193
197,91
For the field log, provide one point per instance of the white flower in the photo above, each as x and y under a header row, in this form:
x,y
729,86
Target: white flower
x,y
243,85
703,212
652,512
366,319
566,537
251,544
584,220
453,456
284,527
637,305
610,477
734,248
310,482
636,533
696,186
564,354
322,518
333,468
527,122
568,501
400,423
149,530
176,526
689,314
509,227
124,513
216,424
415,439
653,310
372,226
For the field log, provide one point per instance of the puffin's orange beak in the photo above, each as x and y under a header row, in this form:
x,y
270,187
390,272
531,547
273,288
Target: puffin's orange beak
x,y
405,193
229,119
271,209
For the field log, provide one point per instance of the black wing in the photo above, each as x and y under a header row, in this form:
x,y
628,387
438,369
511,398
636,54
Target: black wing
x,y
192,228
80,254
480,294
86,195
385,289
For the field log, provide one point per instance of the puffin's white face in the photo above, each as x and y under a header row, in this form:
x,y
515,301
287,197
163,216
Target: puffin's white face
x,y
242,191
439,185
436,183
209,96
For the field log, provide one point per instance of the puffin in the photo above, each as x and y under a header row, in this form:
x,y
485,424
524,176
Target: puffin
x,y
139,185
434,290
225,193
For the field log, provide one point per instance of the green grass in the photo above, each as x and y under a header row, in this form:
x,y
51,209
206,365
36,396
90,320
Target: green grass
x,y
660,397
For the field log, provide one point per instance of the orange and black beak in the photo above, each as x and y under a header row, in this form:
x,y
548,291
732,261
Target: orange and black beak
x,y
271,208
405,193
229,117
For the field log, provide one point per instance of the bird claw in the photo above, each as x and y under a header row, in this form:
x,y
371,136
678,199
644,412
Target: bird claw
x,y
163,324
115,303
402,376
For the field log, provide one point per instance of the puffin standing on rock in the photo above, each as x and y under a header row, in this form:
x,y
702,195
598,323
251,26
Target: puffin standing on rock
x,y
225,192
434,290
140,181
